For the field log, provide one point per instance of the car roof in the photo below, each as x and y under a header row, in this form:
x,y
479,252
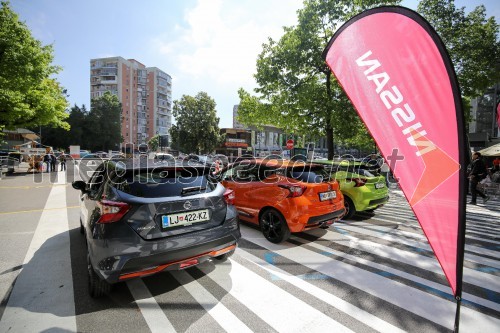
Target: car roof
x,y
275,162
148,164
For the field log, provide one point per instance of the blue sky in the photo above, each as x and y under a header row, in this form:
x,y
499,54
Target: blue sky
x,y
205,45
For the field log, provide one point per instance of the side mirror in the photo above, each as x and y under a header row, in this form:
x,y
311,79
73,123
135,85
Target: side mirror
x,y
79,185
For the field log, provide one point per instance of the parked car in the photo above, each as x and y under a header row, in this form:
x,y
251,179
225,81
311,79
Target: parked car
x,y
101,154
362,189
164,157
143,219
283,196
204,159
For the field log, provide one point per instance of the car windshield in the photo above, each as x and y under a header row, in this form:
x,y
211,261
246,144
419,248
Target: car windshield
x,y
169,182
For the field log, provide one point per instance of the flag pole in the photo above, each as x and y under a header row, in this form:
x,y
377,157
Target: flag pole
x,y
457,314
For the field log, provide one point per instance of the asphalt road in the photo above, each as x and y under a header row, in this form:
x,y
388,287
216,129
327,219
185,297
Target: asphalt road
x,y
373,273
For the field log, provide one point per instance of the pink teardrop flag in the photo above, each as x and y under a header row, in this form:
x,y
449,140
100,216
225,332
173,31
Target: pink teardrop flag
x,y
399,77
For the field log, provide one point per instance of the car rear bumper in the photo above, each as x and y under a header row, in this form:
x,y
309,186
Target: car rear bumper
x,y
365,199
171,253
324,220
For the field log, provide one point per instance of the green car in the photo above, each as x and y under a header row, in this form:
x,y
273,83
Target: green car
x,y
363,189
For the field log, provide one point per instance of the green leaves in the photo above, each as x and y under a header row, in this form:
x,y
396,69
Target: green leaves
x,y
29,96
197,128
104,122
471,40
296,90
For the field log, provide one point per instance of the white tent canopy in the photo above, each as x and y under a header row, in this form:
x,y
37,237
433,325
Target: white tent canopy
x,y
491,151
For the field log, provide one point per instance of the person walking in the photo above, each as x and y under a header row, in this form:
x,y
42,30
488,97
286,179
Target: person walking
x,y
477,173
62,160
46,160
53,161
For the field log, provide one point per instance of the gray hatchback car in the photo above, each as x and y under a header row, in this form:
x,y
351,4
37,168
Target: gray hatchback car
x,y
143,219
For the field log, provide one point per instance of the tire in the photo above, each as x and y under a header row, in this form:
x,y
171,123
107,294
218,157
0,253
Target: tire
x,y
349,208
273,226
97,286
225,256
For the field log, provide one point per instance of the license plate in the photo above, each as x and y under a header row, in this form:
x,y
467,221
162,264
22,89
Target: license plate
x,y
188,218
327,195
379,185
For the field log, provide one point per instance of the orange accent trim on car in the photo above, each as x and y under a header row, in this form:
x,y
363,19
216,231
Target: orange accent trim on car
x,y
160,268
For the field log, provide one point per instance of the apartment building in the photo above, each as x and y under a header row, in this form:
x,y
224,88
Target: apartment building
x,y
144,92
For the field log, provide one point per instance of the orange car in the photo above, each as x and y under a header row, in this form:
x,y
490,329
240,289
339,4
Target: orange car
x,y
283,196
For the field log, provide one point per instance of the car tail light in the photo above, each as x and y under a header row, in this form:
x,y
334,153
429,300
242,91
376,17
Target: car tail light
x,y
229,197
359,182
295,190
112,211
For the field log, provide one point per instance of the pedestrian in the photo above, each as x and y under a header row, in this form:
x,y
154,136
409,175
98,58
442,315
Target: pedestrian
x,y
385,171
62,160
496,164
373,162
477,173
53,161
46,160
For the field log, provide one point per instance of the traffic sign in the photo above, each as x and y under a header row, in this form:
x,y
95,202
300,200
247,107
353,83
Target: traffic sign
x,y
289,144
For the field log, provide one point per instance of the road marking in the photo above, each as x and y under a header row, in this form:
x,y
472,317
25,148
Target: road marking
x,y
444,289
224,317
334,301
470,276
266,301
38,210
30,187
428,306
42,297
151,311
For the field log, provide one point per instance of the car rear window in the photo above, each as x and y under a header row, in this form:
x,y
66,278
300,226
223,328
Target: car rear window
x,y
359,169
315,174
165,182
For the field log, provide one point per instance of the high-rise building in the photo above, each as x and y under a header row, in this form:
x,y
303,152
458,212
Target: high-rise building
x,y
144,92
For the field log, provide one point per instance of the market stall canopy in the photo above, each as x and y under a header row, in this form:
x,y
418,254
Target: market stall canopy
x,y
491,151
25,133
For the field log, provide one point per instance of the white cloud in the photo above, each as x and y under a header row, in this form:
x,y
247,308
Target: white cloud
x,y
219,40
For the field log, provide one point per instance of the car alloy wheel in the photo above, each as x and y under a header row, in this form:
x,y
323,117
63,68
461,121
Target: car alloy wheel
x,y
350,210
274,227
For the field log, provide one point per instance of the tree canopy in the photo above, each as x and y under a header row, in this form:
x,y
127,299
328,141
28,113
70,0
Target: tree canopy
x,y
104,122
29,95
197,128
98,129
472,43
296,90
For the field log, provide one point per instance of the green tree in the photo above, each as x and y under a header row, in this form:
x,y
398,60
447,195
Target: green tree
x,y
59,138
296,89
29,96
154,142
472,42
197,128
104,122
